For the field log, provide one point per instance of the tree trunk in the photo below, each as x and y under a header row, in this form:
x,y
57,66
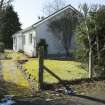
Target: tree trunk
x,y
90,52
98,52
65,46
67,52
90,63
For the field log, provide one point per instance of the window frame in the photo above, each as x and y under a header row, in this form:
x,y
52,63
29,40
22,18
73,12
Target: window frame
x,y
30,38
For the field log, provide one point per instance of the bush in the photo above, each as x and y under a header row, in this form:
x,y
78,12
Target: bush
x,y
2,47
21,51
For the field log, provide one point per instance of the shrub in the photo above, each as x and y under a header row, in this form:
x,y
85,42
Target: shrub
x,y
21,51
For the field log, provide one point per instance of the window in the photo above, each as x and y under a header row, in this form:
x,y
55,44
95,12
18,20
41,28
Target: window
x,y
24,40
30,38
14,40
34,42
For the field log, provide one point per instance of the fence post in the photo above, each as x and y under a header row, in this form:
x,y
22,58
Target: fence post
x,y
41,62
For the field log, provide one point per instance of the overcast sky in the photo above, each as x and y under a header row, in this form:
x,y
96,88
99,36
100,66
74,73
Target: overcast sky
x,y
29,10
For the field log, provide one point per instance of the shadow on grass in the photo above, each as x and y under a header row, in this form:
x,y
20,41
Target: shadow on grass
x,y
11,88
58,78
60,59
8,88
71,82
67,85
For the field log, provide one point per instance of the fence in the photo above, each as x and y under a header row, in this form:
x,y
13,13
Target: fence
x,y
42,67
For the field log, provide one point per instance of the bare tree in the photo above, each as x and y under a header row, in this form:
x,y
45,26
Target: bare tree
x,y
63,29
4,3
85,10
53,6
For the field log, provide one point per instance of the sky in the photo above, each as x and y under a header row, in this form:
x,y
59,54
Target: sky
x,y
29,10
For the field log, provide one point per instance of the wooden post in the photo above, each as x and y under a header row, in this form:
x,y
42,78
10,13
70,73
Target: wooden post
x,y
41,62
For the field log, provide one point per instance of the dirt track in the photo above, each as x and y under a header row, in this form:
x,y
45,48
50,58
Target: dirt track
x,y
67,101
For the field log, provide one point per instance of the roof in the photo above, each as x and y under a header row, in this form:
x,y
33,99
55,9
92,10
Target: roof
x,y
50,16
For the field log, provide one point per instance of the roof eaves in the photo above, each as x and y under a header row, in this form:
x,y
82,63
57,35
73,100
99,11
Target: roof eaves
x,y
50,16
55,13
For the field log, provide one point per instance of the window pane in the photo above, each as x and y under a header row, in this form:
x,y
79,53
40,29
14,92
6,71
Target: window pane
x,y
23,40
30,38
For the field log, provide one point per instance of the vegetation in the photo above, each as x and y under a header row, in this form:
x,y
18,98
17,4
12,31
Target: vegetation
x,y
90,37
53,6
14,55
12,76
63,29
4,4
10,25
66,70
2,47
12,81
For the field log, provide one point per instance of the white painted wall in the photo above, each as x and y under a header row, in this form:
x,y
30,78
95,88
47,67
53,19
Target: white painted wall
x,y
17,42
41,32
54,44
30,48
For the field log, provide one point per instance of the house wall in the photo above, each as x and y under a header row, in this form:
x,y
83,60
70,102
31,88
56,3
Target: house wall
x,y
42,31
30,48
17,42
55,45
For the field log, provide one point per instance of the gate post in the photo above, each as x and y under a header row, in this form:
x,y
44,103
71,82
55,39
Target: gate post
x,y
41,62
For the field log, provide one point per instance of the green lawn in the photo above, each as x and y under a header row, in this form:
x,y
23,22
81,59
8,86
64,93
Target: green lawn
x,y
66,70
14,55
15,82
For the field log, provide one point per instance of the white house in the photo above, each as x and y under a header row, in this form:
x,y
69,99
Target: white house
x,y
28,38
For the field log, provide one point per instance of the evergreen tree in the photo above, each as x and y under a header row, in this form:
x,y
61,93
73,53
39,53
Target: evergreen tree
x,y
10,25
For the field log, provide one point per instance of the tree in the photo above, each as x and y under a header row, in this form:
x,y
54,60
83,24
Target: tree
x,y
100,38
1,16
53,6
5,3
91,35
63,28
10,25
85,11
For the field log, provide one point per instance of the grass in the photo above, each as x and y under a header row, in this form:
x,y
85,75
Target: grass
x,y
14,55
96,88
10,71
66,70
15,82
14,77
